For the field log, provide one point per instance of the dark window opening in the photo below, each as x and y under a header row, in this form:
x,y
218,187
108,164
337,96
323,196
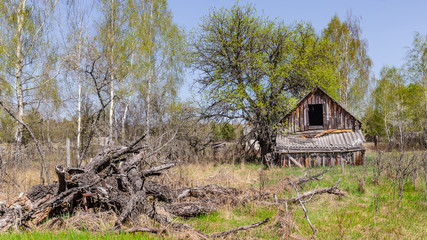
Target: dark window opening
x,y
315,115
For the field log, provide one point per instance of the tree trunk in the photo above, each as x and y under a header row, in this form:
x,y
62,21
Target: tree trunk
x,y
265,146
79,102
112,77
18,80
147,108
79,124
128,102
150,78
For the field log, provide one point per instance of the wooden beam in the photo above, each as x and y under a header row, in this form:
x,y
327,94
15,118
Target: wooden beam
x,y
295,161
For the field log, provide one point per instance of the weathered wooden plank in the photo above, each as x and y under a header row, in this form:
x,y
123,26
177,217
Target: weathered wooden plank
x,y
326,122
334,120
345,121
295,161
337,116
305,106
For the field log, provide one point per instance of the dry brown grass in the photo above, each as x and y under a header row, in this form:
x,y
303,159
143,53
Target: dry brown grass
x,y
350,217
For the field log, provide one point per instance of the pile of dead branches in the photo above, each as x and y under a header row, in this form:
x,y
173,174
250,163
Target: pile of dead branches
x,y
118,180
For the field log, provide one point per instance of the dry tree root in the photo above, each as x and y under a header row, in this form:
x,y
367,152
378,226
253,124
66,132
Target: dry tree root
x,y
116,181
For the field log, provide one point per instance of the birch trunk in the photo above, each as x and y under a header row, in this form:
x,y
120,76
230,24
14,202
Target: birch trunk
x,y
111,115
79,103
110,137
147,109
150,78
18,79
79,123
128,102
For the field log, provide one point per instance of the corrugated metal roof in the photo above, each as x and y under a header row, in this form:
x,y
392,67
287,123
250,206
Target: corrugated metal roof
x,y
333,142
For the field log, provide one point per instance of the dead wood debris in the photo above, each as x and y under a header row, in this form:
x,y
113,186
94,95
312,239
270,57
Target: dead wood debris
x,y
114,182
304,179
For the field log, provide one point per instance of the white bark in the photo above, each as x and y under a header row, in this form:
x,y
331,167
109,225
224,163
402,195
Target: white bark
x,y
150,78
128,102
18,78
79,123
112,79
79,103
111,115
147,109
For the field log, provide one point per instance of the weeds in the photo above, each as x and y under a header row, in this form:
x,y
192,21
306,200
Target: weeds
x,y
369,211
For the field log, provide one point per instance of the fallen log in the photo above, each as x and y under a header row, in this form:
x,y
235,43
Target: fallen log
x,y
309,194
157,170
115,180
111,154
190,209
200,192
305,179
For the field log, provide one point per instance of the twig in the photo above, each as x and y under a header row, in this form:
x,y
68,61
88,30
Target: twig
x,y
242,228
331,190
305,179
303,208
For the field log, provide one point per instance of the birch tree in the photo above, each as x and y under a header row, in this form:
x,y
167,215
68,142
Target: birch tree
x,y
353,65
159,55
78,18
112,42
417,69
29,61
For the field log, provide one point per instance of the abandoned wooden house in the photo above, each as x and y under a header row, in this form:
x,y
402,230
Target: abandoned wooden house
x,y
319,132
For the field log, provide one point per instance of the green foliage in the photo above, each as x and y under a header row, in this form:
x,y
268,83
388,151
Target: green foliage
x,y
223,131
353,65
417,74
7,124
158,50
252,67
394,108
417,60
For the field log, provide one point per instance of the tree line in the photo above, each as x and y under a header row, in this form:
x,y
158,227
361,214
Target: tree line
x,y
112,68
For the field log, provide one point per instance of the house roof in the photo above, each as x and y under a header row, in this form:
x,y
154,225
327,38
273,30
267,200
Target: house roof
x,y
332,142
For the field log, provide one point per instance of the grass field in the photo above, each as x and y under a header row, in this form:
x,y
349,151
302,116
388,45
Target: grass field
x,y
368,212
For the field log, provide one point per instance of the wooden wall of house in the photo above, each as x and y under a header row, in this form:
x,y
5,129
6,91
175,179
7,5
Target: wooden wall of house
x,y
334,116
322,159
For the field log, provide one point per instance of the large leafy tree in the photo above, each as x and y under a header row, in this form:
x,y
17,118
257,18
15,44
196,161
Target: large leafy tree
x,y
251,68
353,65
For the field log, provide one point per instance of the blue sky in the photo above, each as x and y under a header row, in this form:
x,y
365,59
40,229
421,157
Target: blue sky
x,y
388,26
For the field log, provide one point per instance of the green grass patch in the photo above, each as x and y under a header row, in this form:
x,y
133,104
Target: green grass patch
x,y
368,212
